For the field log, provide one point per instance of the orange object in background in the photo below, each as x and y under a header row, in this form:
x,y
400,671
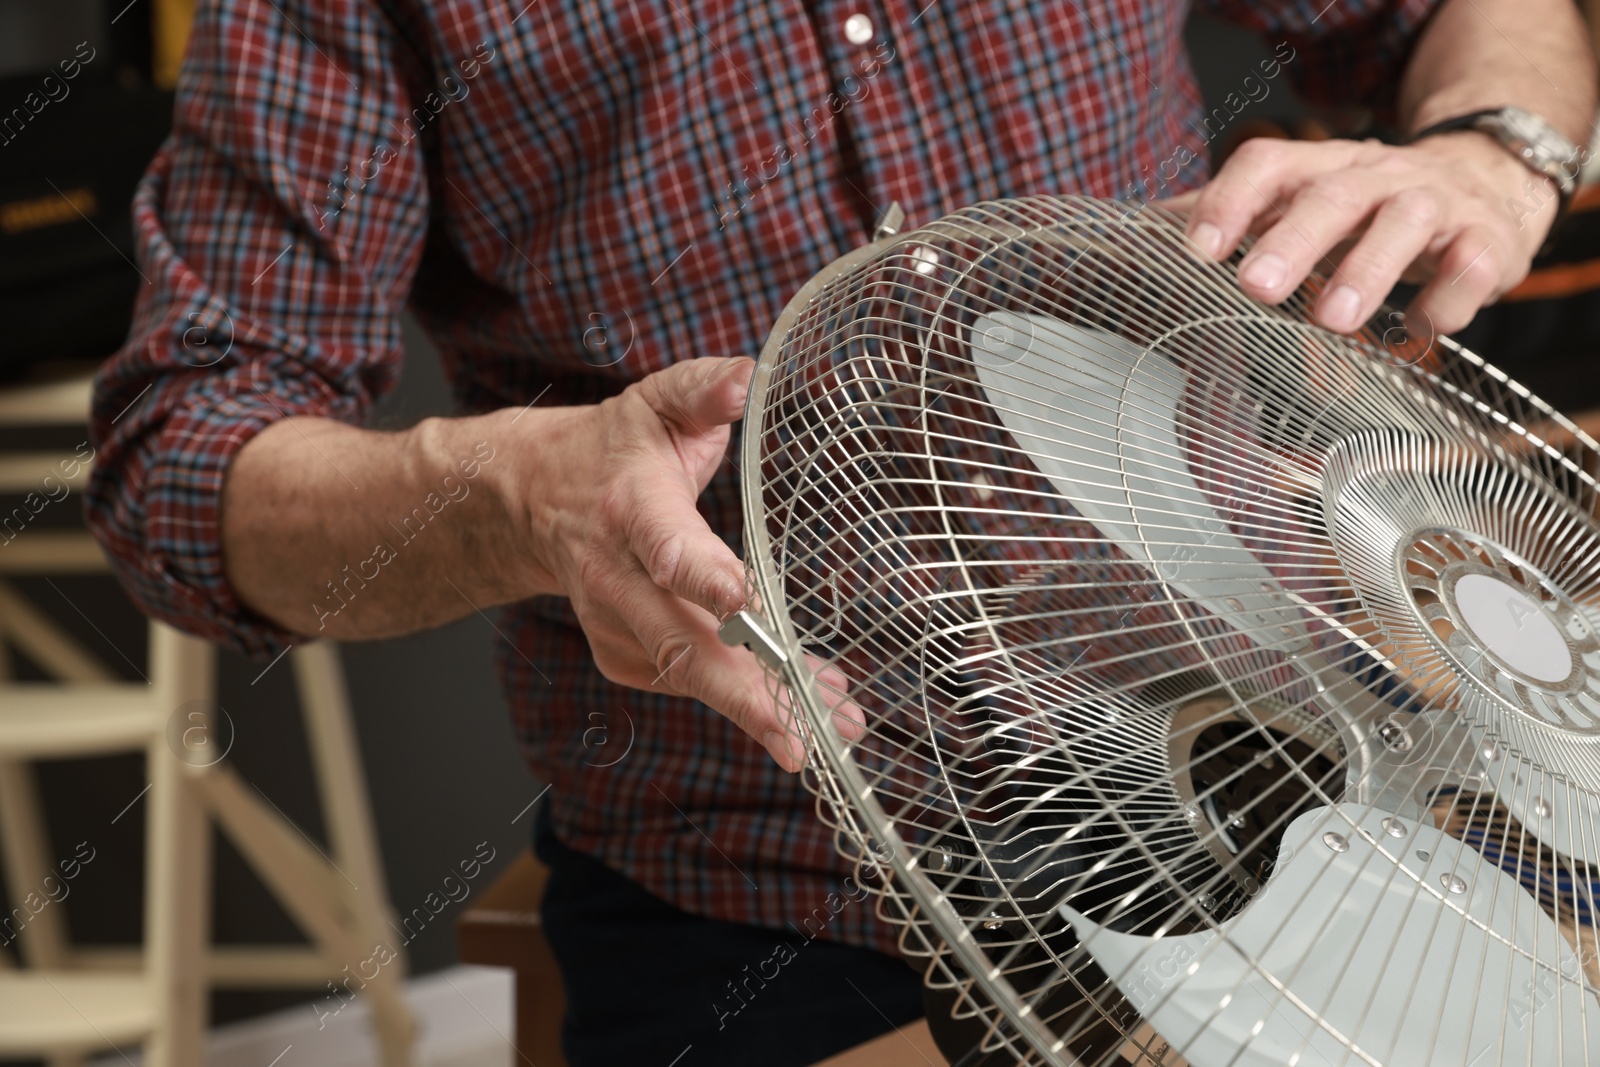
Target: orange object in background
x,y
169,34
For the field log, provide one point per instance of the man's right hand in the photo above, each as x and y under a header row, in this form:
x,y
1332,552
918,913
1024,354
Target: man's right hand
x,y
596,503
612,522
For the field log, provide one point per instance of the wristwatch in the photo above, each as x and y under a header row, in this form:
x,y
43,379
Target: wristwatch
x,y
1534,142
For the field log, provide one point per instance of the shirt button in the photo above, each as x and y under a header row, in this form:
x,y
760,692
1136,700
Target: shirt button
x,y
858,29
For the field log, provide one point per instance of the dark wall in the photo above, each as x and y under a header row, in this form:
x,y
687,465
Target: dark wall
x,y
1222,55
31,29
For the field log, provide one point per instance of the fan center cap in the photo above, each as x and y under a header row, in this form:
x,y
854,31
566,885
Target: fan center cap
x,y
1498,619
1513,627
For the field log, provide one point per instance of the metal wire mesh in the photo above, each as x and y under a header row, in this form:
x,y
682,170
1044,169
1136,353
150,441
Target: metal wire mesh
x,y
1127,573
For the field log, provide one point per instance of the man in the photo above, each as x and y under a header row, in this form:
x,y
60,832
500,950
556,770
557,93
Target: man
x,y
597,211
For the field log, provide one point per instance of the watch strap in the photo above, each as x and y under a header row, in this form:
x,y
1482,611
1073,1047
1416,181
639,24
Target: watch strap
x,y
1469,121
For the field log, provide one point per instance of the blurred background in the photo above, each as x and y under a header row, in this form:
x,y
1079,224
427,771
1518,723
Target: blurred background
x,y
444,775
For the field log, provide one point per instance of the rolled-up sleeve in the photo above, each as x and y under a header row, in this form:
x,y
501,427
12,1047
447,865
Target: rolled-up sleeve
x,y
1343,52
278,231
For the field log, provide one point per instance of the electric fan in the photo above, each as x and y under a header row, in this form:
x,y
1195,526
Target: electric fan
x,y
1231,687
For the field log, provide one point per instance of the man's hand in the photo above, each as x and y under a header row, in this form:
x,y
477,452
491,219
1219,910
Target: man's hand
x,y
1435,212
596,503
611,519
1440,212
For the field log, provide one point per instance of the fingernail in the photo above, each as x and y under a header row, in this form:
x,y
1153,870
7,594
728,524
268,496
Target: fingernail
x,y
736,372
1207,238
1264,272
776,742
1340,309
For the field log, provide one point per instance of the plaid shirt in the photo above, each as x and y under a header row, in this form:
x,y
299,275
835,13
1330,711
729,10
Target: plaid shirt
x,y
570,195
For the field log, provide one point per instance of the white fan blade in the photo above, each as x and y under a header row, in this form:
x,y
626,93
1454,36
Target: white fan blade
x,y
1413,948
1098,416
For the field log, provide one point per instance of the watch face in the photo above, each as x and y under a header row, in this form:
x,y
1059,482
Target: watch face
x,y
1518,125
1535,142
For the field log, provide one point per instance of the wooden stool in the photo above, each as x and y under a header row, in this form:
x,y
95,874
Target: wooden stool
x,y
74,1000
910,1046
503,929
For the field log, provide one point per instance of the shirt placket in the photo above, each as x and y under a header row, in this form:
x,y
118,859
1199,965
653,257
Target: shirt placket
x,y
876,109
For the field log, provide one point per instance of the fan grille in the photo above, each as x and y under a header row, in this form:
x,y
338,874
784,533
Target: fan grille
x,y
1078,610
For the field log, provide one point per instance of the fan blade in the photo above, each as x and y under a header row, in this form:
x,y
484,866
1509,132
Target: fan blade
x,y
1404,942
1099,418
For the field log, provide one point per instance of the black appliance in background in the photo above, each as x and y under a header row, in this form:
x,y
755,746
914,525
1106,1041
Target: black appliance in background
x,y
72,150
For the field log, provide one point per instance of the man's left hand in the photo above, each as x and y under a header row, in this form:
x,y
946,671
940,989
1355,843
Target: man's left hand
x,y
1443,213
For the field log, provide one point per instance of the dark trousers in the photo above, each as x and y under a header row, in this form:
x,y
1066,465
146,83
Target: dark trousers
x,y
648,984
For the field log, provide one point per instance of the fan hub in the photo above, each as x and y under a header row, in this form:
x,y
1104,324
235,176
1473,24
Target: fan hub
x,y
1499,620
1512,627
